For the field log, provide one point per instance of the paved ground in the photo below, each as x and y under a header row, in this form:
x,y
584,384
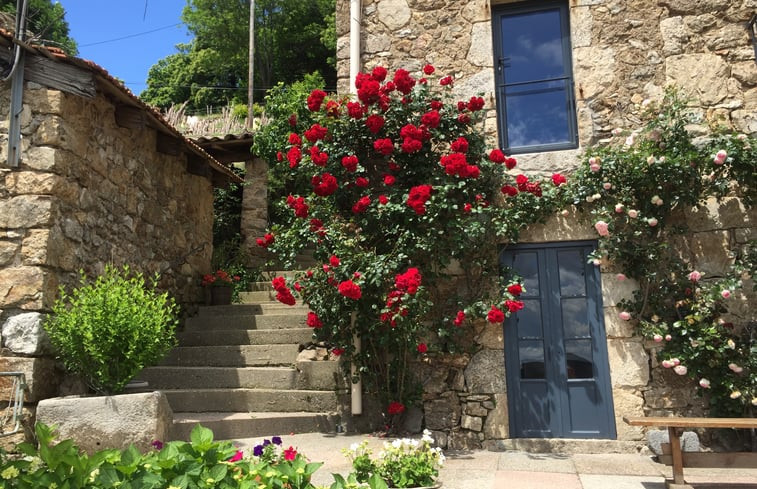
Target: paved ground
x,y
480,469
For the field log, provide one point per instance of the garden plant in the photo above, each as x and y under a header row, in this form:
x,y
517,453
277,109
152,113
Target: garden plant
x,y
394,188
107,330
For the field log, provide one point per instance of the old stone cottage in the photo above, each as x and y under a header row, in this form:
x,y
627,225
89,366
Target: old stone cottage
x,y
611,55
101,178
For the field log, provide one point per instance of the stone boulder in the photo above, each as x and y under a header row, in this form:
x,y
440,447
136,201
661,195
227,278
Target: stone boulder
x,y
24,334
96,423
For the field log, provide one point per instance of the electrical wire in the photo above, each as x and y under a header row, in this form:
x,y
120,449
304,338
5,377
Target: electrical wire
x,y
130,35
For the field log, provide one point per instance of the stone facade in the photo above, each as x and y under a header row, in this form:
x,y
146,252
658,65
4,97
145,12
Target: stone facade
x,y
623,53
88,192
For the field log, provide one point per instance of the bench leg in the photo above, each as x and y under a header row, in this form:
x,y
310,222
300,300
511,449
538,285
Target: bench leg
x,y
675,451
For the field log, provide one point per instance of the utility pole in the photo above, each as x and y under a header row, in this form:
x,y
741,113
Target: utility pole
x,y
251,71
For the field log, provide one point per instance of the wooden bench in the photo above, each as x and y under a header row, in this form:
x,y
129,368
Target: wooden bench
x,y
676,426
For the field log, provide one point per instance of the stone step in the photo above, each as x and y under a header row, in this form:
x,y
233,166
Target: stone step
x,y
246,400
232,356
297,336
258,321
233,426
254,309
323,376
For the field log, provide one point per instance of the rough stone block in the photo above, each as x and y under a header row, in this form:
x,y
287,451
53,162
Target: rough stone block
x,y
442,413
628,402
655,439
23,333
711,252
699,76
475,409
95,423
25,211
394,13
497,425
614,290
463,440
486,372
616,327
473,423
481,37
41,377
629,363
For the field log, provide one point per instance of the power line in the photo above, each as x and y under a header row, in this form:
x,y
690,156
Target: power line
x,y
130,35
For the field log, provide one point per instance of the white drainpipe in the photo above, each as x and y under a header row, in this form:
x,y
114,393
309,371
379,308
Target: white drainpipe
x,y
355,15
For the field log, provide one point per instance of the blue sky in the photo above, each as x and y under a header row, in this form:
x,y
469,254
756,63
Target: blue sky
x,y
98,25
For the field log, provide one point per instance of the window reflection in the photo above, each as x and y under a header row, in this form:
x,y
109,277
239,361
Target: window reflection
x,y
527,266
531,359
575,318
578,359
571,269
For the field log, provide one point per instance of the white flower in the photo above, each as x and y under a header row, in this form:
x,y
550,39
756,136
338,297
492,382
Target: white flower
x,y
633,213
652,222
680,369
736,368
735,394
704,383
657,338
618,208
731,344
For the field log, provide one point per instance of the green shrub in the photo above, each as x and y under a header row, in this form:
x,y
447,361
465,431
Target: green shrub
x,y
108,330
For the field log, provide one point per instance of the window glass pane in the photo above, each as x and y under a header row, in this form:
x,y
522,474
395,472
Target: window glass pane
x,y
572,280
532,46
529,319
537,113
578,359
527,266
575,318
531,355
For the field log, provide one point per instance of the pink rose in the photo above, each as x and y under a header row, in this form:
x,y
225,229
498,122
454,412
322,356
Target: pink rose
x,y
695,276
633,213
657,338
667,363
736,369
602,228
619,208
607,185
725,294
704,383
680,369
625,315
720,157
668,337
652,222
621,276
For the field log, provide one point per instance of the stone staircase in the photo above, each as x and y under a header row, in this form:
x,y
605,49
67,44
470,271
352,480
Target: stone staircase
x,y
236,371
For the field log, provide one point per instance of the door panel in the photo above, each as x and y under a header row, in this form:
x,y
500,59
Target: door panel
x,y
555,347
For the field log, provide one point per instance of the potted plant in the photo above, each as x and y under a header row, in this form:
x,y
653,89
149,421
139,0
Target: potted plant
x,y
221,286
403,463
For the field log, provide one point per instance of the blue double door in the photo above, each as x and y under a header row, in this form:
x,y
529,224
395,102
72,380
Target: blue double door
x,y
558,378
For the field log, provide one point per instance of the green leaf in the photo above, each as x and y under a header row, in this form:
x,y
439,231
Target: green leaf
x,y
201,437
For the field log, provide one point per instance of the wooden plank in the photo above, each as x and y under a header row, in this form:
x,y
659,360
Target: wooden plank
x,y
677,422
723,460
169,145
130,117
59,75
675,449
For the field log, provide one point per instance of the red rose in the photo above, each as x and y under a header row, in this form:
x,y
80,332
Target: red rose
x,y
459,145
463,118
389,180
350,290
422,348
411,145
458,321
316,132
429,69
292,120
510,190
285,297
279,283
279,156
266,241
393,166
350,163
314,321
315,99
294,156
337,351
395,408
318,157
510,163
417,198
361,182
515,289
558,179
431,119
294,139
374,123
355,110
467,208
409,281
316,225
383,200
383,146
368,92
334,261
514,306
436,105
378,73
361,205
475,104
497,156
324,185
298,205
403,81
333,109
495,315
447,80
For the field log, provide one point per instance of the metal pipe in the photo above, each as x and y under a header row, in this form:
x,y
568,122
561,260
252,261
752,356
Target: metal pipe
x,y
357,387
355,26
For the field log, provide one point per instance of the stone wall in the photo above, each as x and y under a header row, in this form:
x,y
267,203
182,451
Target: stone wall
x,y
86,193
623,53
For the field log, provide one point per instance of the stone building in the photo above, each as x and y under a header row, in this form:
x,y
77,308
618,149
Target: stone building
x,y
101,178
604,57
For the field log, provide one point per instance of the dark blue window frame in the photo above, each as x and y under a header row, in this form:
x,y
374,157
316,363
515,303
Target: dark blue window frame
x,y
545,87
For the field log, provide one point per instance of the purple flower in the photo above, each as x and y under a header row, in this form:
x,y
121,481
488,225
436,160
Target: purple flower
x,y
157,444
266,442
276,440
258,450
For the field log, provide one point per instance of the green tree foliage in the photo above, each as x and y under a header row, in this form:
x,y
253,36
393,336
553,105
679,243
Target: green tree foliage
x,y
46,19
292,38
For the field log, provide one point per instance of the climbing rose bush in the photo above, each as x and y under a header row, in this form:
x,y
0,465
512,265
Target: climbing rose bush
x,y
388,189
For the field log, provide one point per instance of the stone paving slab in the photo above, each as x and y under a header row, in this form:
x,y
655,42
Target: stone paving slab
x,y
617,464
534,480
604,481
539,462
